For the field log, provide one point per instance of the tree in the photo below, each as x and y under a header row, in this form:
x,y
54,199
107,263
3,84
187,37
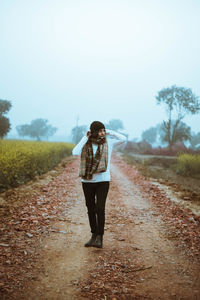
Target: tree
x,y
195,139
150,135
23,130
181,132
5,126
179,101
78,132
37,129
115,124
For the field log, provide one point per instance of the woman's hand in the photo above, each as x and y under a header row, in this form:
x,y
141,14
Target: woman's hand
x,y
88,133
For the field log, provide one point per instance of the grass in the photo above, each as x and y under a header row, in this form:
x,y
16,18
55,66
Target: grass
x,y
189,165
167,170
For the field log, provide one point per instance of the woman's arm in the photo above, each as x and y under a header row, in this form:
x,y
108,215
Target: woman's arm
x,y
117,137
78,148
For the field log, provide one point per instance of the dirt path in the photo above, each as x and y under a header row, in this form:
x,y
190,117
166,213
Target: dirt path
x,y
138,259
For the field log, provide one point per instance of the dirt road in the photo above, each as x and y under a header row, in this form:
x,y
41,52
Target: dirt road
x,y
139,258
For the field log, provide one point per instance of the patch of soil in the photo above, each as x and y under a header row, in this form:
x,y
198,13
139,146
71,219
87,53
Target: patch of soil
x,y
142,260
150,248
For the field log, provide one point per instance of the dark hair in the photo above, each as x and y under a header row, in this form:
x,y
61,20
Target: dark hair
x,y
95,127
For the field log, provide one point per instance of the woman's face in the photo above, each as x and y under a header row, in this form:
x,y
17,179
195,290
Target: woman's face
x,y
102,132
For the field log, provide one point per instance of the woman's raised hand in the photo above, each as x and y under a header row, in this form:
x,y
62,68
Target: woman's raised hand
x,y
88,133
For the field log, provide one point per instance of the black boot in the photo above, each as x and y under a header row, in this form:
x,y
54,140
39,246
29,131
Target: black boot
x,y
91,242
99,241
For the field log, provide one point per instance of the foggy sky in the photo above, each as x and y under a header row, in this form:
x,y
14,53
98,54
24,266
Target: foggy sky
x,y
100,60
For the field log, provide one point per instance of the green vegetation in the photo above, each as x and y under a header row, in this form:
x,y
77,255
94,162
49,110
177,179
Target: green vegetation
x,y
21,161
189,165
152,166
182,171
184,164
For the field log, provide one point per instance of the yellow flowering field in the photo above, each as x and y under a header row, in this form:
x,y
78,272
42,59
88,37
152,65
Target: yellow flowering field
x,y
189,164
21,160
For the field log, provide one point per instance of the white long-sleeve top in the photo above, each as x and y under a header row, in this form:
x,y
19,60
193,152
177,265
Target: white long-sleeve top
x,y
112,138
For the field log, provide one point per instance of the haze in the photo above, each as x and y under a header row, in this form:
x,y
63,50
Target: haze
x,y
99,60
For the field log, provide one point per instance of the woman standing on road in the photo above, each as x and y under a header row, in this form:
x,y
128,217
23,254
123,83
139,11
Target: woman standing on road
x,y
95,149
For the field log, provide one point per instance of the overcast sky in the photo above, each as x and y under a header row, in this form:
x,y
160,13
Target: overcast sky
x,y
98,60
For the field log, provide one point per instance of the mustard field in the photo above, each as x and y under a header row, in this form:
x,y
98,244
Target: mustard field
x,y
21,161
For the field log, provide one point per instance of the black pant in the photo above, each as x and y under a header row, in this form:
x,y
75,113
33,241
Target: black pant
x,y
95,197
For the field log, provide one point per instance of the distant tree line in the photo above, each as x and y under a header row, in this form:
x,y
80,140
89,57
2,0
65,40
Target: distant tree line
x,y
78,131
38,129
178,102
155,136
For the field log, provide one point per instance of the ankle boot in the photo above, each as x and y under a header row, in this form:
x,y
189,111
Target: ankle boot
x,y
99,241
91,242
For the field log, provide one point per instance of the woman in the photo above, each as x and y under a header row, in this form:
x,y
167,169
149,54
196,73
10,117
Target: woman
x,y
95,149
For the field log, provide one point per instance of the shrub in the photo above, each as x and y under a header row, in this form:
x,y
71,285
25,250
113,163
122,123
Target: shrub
x,y
141,148
188,164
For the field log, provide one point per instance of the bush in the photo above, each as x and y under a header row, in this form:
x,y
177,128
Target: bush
x,y
21,161
188,164
140,148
